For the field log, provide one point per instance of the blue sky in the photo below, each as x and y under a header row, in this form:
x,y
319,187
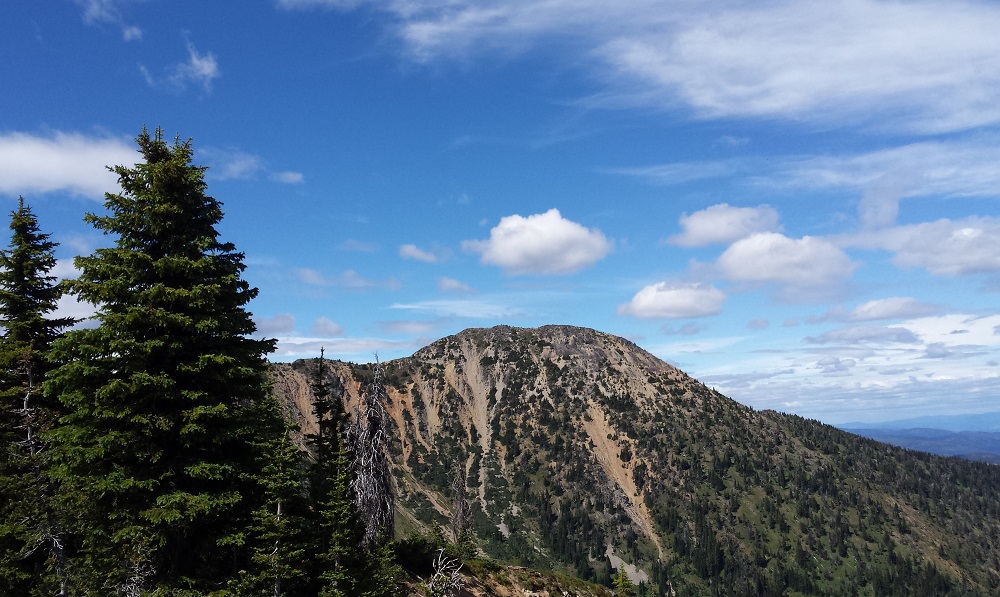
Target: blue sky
x,y
793,201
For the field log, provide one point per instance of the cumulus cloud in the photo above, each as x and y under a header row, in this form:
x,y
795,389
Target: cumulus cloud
x,y
918,66
723,223
543,243
674,300
773,257
896,307
414,252
62,162
280,324
323,326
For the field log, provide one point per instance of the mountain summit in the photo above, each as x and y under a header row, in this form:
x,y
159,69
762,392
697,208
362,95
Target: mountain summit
x,y
582,452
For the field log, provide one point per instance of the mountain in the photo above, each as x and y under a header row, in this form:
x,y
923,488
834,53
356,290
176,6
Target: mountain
x,y
984,422
972,445
583,453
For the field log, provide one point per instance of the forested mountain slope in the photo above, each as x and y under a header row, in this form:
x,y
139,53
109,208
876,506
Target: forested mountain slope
x,y
583,452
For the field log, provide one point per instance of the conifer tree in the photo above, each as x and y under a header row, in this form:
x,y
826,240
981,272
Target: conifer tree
x,y
623,584
31,544
280,556
341,567
159,450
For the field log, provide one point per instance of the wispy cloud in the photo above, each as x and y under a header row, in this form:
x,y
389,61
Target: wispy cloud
x,y
325,327
109,12
281,323
446,284
230,163
944,247
919,66
346,279
465,309
410,251
199,69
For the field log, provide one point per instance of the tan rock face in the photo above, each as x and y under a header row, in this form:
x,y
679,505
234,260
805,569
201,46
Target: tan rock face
x,y
527,415
582,452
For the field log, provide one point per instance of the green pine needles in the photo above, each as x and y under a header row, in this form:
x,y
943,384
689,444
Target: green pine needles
x,y
144,454
158,455
32,557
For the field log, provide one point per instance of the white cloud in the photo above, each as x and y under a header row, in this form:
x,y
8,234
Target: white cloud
x,y
62,162
543,243
280,324
921,65
832,365
107,11
357,349
323,326
772,257
288,177
722,224
896,307
674,300
962,167
866,334
231,164
446,284
677,173
347,279
341,4
944,247
70,306
199,69
466,309
422,328
410,251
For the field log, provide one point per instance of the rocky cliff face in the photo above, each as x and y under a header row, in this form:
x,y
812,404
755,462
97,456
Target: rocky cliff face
x,y
583,452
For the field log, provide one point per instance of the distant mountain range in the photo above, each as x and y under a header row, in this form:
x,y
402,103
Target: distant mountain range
x,y
973,437
583,453
988,422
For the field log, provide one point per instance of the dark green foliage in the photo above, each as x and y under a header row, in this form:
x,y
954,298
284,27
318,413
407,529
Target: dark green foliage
x,y
160,451
31,559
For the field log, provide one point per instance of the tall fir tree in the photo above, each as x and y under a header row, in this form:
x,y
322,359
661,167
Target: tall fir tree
x,y
338,533
159,453
31,544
